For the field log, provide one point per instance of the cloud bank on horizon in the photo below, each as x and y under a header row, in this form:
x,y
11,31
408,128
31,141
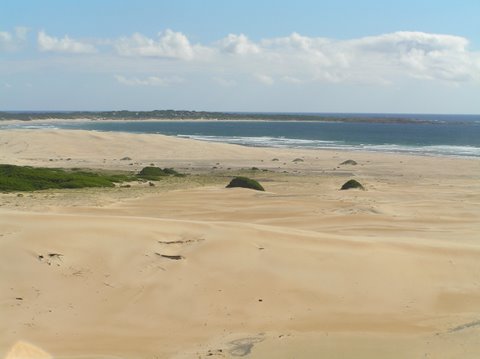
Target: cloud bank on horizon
x,y
171,59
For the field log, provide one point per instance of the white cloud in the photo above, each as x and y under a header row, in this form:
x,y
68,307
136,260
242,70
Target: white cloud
x,y
421,55
405,41
65,44
376,59
385,59
12,41
170,44
264,79
296,42
148,81
238,44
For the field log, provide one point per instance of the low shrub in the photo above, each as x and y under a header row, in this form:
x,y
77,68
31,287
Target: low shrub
x,y
154,173
245,182
352,184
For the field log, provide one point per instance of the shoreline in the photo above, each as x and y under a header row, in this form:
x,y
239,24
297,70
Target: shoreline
x,y
401,151
266,117
80,120
230,116
166,145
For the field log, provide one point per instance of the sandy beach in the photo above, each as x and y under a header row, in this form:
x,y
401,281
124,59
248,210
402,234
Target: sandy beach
x,y
302,270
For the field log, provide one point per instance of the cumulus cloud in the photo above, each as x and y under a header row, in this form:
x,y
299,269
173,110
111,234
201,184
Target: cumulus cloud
x,y
297,42
12,40
264,79
170,44
405,41
374,59
238,44
148,81
422,55
65,44
294,59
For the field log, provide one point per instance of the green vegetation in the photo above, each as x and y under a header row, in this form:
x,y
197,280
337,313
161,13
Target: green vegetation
x,y
154,173
349,162
245,182
352,184
25,178
198,115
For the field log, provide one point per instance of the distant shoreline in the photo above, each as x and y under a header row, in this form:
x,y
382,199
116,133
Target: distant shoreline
x,y
170,115
366,120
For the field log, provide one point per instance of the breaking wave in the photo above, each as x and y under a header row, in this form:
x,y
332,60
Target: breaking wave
x,y
282,142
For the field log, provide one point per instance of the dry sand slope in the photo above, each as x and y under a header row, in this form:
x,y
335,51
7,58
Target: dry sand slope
x,y
300,271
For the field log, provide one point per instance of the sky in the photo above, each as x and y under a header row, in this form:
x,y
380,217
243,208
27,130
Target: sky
x,y
348,56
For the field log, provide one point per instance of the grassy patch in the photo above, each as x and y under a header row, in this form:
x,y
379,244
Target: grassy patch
x,y
154,173
25,178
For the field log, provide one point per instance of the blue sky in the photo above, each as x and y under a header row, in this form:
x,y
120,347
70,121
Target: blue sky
x,y
321,56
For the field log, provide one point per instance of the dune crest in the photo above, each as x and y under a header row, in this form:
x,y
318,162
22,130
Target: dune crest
x,y
24,350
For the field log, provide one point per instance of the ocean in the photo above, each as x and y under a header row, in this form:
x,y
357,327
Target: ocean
x,y
450,135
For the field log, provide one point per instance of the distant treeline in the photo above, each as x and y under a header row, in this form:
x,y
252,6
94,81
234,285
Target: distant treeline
x,y
200,115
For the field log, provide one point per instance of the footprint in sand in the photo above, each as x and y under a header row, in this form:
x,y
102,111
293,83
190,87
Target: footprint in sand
x,y
243,346
51,258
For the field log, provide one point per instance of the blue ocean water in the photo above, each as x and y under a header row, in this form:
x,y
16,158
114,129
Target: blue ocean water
x,y
455,135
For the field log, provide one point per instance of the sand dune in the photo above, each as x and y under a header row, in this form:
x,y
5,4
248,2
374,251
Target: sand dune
x,y
301,271
22,350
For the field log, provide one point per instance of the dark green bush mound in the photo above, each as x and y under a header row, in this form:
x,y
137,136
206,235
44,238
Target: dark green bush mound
x,y
352,184
349,162
25,178
245,182
154,173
